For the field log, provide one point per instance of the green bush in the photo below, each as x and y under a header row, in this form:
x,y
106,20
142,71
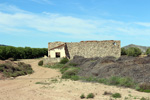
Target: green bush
x,y
90,95
64,68
123,51
133,51
114,80
82,96
103,80
40,63
148,51
145,87
67,71
70,72
118,81
121,81
126,82
116,95
74,77
64,61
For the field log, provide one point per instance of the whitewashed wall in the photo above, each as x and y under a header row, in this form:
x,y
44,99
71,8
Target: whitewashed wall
x,y
60,49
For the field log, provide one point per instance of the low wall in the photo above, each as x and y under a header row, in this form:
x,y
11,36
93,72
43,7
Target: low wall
x,y
50,61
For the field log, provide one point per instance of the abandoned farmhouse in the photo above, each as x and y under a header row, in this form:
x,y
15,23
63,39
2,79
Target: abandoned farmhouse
x,y
87,49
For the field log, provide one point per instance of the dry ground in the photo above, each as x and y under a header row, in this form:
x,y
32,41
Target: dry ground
x,y
45,84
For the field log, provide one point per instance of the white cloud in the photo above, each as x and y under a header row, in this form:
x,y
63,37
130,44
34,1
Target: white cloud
x,y
143,24
10,8
20,22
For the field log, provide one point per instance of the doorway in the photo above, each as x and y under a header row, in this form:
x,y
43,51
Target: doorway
x,y
57,54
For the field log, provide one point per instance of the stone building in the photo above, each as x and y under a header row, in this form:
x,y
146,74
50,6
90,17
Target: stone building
x,y
87,49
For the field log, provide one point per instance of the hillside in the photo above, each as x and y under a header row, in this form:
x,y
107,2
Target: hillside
x,y
136,68
2,45
143,48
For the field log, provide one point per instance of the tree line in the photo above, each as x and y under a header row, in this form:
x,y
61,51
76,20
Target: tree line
x,y
134,51
7,52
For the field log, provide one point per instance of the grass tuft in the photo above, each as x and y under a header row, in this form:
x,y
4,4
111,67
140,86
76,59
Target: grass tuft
x,y
90,95
82,96
116,95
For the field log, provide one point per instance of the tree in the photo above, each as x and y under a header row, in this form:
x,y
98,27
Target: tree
x,y
133,51
21,53
28,53
148,51
123,51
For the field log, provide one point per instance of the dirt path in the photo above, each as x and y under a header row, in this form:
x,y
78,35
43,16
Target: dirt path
x,y
44,84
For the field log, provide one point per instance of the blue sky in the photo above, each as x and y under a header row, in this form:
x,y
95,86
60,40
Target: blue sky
x,y
34,23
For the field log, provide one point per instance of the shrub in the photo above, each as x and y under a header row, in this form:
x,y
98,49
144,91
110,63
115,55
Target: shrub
x,y
148,51
133,51
126,82
90,95
103,80
9,70
116,95
64,68
72,64
107,93
75,77
70,72
82,96
145,87
119,81
29,71
144,98
64,61
123,51
40,63
114,80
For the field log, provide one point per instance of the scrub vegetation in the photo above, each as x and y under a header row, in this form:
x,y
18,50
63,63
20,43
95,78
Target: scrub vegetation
x,y
10,69
132,51
70,70
7,52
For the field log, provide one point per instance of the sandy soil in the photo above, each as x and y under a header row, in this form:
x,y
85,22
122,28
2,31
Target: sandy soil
x,y
45,84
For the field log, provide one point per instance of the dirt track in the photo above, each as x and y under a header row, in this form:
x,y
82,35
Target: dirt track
x,y
25,87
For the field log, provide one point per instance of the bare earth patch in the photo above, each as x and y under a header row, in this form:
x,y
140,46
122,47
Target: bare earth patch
x,y
45,84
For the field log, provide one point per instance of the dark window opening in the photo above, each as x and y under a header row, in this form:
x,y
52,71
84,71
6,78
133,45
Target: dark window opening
x,y
57,54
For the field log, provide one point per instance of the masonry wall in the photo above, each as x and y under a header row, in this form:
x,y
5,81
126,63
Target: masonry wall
x,y
89,49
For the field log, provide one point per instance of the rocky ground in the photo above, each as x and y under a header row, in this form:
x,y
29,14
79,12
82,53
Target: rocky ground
x,y
45,84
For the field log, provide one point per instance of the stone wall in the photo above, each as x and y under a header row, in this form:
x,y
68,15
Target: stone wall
x,y
50,61
89,49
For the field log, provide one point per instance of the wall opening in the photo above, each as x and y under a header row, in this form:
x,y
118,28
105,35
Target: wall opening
x,y
57,54
114,43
